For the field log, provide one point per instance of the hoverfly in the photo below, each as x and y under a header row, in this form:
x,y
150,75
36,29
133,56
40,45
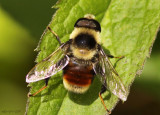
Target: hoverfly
x,y
81,58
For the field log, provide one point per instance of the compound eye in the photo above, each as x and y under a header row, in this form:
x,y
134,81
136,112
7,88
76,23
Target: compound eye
x,y
86,23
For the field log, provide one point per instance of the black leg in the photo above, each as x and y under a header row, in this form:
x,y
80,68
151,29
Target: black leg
x,y
103,89
46,84
55,35
46,81
111,56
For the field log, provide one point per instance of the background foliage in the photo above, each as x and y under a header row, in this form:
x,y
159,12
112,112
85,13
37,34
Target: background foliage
x,y
20,31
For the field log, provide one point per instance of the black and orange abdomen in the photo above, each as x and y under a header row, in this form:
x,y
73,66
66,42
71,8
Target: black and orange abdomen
x,y
77,78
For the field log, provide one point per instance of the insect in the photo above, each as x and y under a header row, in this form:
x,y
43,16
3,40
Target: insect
x,y
81,58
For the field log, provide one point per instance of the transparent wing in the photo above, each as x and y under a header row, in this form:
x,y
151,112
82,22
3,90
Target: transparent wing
x,y
49,66
105,70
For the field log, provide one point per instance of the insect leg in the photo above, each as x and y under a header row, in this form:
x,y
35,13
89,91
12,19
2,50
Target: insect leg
x,y
111,56
108,55
46,84
103,89
55,35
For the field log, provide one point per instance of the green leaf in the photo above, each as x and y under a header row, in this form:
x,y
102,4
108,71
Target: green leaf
x,y
129,28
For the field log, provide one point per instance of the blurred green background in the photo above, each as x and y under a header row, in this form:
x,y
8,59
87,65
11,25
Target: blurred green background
x,y
22,23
